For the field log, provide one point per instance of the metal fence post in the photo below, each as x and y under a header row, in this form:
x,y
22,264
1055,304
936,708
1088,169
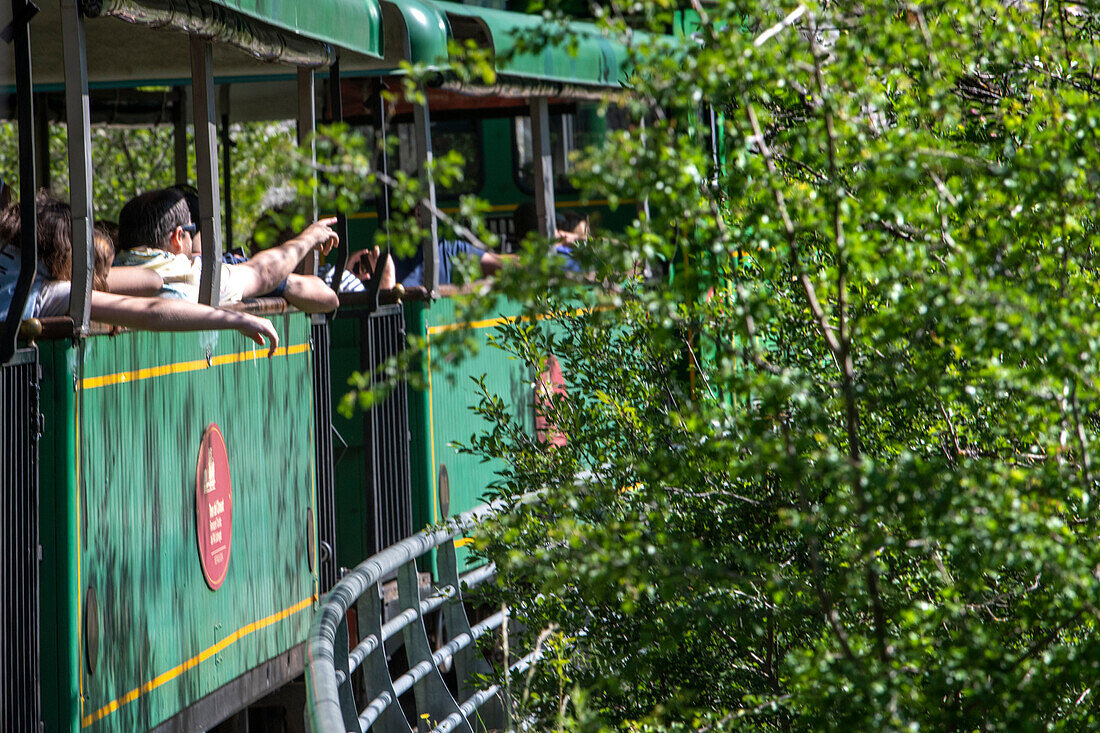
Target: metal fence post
x,y
432,696
469,660
376,673
340,662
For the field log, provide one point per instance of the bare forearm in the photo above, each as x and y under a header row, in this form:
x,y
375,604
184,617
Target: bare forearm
x,y
272,266
161,314
310,294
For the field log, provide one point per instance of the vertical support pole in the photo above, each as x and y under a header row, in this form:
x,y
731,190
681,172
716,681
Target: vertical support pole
x,y
422,123
431,693
28,239
307,124
179,138
78,118
336,114
206,169
227,167
544,166
42,137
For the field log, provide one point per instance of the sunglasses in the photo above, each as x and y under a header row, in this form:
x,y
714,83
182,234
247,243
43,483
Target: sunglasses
x,y
191,228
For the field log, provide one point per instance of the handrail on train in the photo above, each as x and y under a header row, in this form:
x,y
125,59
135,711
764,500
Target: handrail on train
x,y
330,699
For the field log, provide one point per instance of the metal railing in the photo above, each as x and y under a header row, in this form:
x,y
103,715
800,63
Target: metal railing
x,y
330,664
20,431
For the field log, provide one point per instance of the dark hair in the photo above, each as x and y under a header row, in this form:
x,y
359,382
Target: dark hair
x,y
55,237
148,220
525,219
191,196
108,229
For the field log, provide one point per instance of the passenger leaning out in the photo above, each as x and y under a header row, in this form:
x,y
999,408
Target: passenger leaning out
x,y
51,287
156,232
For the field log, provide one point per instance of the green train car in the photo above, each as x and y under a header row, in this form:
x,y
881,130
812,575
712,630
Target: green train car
x,y
195,499
178,476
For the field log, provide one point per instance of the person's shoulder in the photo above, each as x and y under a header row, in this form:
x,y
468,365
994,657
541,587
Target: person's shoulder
x,y
167,264
52,299
141,256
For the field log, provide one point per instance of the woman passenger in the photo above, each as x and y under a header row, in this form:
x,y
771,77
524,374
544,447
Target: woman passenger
x,y
50,292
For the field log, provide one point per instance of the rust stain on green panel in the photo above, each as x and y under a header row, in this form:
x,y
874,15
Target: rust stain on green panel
x,y
167,640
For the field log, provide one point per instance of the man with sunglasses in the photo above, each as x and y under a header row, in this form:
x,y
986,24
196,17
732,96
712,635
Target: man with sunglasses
x,y
156,232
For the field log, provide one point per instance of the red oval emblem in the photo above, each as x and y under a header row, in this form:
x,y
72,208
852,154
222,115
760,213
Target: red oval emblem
x,y
214,507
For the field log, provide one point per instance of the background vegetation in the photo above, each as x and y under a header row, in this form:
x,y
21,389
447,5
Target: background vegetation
x,y
131,160
835,472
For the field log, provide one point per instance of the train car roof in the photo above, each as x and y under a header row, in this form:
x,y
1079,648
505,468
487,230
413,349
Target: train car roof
x,y
588,57
139,44
143,42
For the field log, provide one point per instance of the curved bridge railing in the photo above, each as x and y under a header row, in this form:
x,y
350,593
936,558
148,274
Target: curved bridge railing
x,y
331,702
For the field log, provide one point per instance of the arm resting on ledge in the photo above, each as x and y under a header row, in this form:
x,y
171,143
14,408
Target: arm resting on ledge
x,y
163,314
310,294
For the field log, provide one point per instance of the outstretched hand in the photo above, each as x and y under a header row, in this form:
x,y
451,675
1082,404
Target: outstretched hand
x,y
321,235
261,331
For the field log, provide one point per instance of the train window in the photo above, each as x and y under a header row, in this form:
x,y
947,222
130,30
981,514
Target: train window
x,y
588,127
563,141
447,135
460,135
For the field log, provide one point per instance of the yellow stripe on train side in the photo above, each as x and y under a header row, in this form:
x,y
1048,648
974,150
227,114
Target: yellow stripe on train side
x,y
189,366
491,322
194,661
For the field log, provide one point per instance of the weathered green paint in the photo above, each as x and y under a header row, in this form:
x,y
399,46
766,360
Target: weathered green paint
x,y
355,25
134,514
446,415
57,529
352,24
595,60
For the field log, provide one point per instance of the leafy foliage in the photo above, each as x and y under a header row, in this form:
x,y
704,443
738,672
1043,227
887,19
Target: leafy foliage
x,y
127,161
836,472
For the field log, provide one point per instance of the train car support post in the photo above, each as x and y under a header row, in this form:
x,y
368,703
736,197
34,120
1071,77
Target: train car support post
x,y
78,118
422,124
544,166
19,32
336,115
307,126
206,169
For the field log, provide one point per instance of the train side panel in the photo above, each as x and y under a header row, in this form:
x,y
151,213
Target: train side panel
x,y
136,613
444,412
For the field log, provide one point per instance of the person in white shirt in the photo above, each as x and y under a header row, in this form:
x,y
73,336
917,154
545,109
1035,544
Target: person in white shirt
x,y
50,292
156,232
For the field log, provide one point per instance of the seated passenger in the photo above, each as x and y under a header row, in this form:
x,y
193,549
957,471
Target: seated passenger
x,y
271,230
567,232
156,231
304,293
50,290
409,271
123,280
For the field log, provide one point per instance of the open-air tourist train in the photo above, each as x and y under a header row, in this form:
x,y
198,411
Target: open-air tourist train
x,y
176,505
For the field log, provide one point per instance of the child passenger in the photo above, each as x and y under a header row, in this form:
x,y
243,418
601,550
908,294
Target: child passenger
x,y
50,292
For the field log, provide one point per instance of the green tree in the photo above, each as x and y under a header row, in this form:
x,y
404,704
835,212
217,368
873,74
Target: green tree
x,y
835,472
129,160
